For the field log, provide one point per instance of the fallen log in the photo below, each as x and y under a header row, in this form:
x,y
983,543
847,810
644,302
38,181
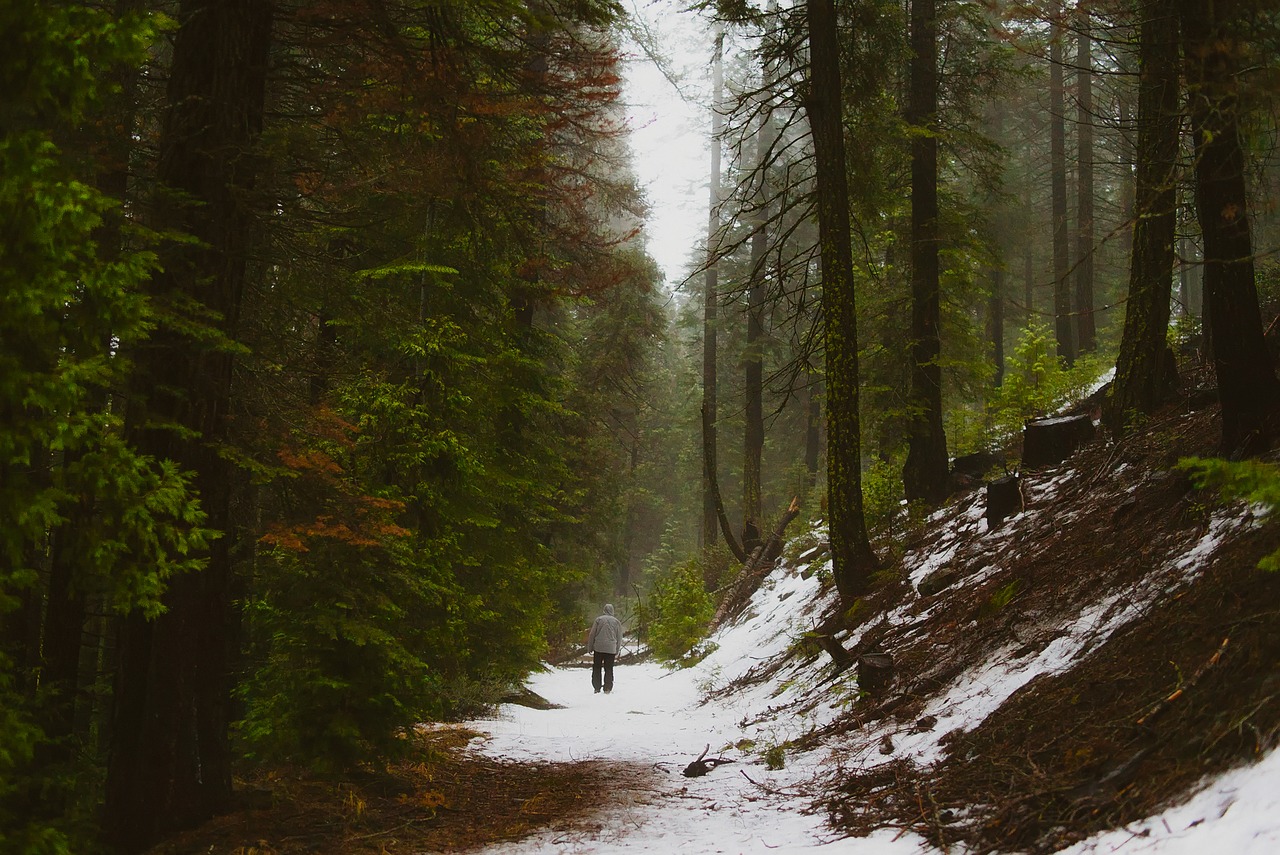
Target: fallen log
x,y
1163,704
526,697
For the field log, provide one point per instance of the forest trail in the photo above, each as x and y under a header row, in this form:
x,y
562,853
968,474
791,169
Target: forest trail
x,y
1115,633
645,733
1101,604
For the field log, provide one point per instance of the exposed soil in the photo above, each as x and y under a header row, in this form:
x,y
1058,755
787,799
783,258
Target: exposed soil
x,y
1188,687
442,798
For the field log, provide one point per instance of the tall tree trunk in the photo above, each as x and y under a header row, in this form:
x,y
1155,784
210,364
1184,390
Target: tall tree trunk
x,y
1086,330
63,627
1029,281
1063,328
852,558
1128,191
813,432
1184,276
710,297
753,357
924,475
1247,387
169,764
1142,381
995,324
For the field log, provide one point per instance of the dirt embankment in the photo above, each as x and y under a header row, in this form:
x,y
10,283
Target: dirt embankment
x,y
1185,682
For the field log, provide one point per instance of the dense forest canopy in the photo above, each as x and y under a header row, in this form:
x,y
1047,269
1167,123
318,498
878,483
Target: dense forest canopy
x,y
338,387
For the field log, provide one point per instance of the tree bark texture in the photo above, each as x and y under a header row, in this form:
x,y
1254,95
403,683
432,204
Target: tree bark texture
x,y
1086,329
853,560
995,324
710,298
1063,327
753,357
1141,383
813,431
925,474
1247,387
169,764
722,518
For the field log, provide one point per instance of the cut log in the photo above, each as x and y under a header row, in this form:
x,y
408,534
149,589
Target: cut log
x,y
1046,442
1004,499
969,470
875,672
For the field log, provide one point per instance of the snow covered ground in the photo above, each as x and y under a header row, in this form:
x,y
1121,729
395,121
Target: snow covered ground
x,y
656,720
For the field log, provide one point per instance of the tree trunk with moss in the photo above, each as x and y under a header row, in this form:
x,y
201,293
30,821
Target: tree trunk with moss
x,y
852,558
1214,45
710,298
1086,329
1063,328
1141,382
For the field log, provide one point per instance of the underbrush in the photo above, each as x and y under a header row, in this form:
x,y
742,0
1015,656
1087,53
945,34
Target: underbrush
x,y
1036,383
678,613
428,801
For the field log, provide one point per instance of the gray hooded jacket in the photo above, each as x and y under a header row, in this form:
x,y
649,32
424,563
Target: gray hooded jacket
x,y
606,633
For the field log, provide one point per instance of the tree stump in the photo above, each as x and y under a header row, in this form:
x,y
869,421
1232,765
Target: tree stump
x,y
875,672
1004,499
968,470
1049,441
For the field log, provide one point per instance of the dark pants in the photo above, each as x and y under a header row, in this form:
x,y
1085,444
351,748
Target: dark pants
x,y
602,661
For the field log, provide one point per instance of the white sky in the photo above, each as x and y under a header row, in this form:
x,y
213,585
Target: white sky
x,y
670,134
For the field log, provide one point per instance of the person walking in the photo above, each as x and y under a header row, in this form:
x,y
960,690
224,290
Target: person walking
x,y
605,643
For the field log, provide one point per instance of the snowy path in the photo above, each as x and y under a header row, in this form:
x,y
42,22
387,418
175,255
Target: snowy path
x,y
654,723
653,717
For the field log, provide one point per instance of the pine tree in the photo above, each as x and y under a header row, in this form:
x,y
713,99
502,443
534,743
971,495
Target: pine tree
x,y
68,305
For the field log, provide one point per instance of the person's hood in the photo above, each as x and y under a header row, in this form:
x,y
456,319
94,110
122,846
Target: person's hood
x,y
608,608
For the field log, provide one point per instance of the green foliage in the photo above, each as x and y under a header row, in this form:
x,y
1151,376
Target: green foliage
x,y
1001,598
69,310
1248,480
775,757
1184,328
407,571
451,484
679,612
339,677
1037,382
882,495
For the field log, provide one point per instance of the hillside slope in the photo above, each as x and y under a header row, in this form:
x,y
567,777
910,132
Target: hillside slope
x,y
1082,666
1067,680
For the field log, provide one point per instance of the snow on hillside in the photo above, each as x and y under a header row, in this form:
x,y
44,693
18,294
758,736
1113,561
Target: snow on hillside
x,y
657,720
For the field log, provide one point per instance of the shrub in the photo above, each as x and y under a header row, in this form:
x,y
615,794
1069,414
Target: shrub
x,y
1037,382
680,610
